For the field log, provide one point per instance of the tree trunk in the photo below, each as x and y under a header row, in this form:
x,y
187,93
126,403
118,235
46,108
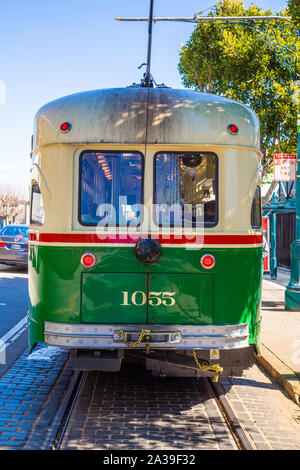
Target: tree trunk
x,y
270,191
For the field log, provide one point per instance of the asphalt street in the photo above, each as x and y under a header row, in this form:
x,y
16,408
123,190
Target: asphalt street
x,y
13,311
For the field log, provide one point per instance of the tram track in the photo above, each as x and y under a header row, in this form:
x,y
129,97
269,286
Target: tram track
x,y
67,408
237,431
111,412
63,413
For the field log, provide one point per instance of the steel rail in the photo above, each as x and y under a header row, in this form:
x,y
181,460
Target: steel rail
x,y
62,416
68,410
239,435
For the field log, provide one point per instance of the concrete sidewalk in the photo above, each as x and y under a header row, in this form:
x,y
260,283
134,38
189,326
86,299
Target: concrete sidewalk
x,y
280,337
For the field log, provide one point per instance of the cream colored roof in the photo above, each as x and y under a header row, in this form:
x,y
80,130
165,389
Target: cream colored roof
x,y
120,115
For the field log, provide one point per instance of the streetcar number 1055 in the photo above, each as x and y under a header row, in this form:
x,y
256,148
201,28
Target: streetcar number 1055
x,y
154,298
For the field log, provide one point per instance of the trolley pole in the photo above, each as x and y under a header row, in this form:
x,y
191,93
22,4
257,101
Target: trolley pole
x,y
292,292
150,25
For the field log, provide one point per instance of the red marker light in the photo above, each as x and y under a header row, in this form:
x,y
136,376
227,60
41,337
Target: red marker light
x,y
2,244
233,129
88,260
207,261
65,127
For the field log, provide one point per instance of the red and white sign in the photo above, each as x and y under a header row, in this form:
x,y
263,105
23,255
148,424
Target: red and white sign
x,y
266,243
285,167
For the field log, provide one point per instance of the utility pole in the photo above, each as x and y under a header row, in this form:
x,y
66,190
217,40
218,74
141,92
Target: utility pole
x,y
292,292
288,57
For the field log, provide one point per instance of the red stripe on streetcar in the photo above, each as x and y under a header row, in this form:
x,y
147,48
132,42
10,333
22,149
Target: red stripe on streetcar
x,y
164,239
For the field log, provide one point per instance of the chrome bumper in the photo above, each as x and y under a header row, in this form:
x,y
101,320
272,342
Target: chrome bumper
x,y
87,336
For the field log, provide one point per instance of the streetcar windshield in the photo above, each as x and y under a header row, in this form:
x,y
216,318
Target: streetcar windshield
x,y
186,189
110,188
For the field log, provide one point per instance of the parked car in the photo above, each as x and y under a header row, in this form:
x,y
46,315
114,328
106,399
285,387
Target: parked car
x,y
14,245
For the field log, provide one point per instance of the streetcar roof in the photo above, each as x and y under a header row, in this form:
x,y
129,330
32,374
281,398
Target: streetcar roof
x,y
119,115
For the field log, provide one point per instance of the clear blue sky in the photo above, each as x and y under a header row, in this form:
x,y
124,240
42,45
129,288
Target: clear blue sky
x,y
51,48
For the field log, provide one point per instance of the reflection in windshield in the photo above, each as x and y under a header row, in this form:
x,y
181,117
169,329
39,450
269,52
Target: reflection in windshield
x,y
111,187
186,188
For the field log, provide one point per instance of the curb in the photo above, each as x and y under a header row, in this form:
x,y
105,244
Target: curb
x,y
288,380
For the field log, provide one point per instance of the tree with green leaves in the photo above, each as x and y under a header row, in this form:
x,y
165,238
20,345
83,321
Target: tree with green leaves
x,y
294,11
235,61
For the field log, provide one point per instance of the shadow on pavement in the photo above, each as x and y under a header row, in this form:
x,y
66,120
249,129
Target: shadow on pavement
x,y
271,304
5,268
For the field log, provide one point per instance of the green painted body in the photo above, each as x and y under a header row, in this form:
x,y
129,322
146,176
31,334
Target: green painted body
x,y
115,290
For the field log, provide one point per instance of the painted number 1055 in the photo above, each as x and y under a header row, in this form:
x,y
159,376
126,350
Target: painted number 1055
x,y
154,298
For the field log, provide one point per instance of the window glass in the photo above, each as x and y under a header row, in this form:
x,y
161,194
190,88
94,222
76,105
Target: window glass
x,y
37,207
110,188
13,231
256,209
186,189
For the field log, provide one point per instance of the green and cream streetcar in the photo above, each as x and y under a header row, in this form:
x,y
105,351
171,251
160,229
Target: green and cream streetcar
x,y
145,230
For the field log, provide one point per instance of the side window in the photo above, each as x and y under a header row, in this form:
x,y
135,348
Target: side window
x,y
256,209
37,207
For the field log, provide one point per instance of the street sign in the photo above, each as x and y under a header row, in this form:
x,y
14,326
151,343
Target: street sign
x,y
285,167
266,244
